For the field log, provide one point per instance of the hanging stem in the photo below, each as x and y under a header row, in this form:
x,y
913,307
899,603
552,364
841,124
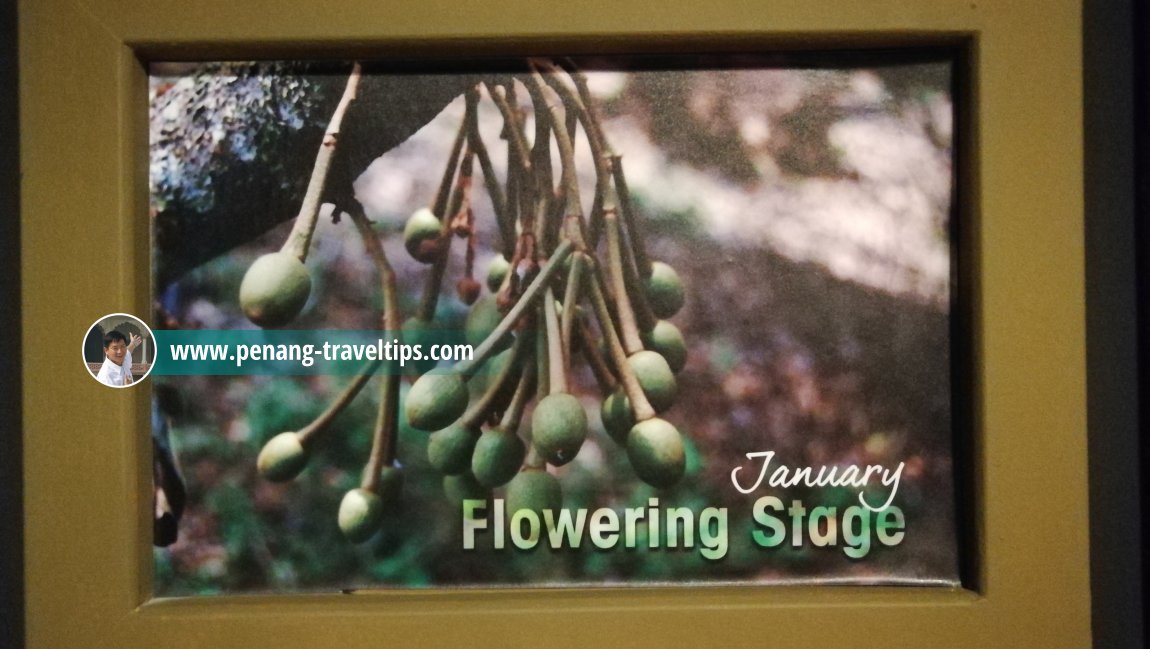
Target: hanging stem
x,y
573,222
426,311
571,301
479,411
593,123
514,414
542,363
299,239
494,191
634,231
391,318
571,123
518,142
534,291
635,238
631,341
541,147
439,207
580,106
518,188
553,222
383,440
635,260
544,195
312,430
539,221
515,253
434,283
512,212
639,403
556,360
599,367
534,460
644,317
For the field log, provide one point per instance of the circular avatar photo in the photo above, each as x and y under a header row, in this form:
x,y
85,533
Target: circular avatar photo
x,y
119,350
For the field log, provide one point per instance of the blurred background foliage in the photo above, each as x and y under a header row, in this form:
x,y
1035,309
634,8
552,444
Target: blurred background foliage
x,y
809,214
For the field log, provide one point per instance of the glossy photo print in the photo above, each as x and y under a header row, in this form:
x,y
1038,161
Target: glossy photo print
x,y
551,322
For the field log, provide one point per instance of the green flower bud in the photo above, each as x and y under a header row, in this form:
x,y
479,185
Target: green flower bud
x,y
462,487
449,450
282,458
360,515
655,450
436,400
421,236
666,339
497,272
616,415
533,489
655,377
274,289
664,290
558,428
497,457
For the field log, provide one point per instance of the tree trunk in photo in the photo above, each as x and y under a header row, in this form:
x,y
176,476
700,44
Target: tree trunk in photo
x,y
251,190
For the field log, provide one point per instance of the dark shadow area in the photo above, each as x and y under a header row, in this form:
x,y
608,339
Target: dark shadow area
x,y
1142,255
11,483
1111,325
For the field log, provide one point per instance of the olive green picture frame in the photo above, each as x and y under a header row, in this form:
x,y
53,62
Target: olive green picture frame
x,y
85,251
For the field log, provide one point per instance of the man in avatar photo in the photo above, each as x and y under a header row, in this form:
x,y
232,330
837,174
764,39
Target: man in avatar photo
x,y
117,368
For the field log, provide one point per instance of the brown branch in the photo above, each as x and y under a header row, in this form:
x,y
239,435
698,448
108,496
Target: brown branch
x,y
299,240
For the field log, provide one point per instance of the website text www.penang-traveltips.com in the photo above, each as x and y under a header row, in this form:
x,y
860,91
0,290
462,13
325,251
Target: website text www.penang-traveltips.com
x,y
307,354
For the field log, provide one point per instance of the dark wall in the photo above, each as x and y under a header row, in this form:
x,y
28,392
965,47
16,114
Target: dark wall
x,y
11,491
1112,325
1142,230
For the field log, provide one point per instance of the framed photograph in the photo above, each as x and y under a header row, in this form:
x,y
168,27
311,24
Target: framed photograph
x,y
768,444
806,316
